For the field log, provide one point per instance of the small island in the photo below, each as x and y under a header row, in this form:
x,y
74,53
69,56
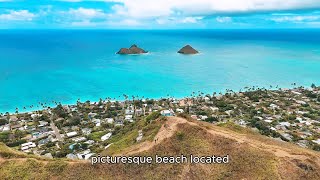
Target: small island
x,y
134,49
188,50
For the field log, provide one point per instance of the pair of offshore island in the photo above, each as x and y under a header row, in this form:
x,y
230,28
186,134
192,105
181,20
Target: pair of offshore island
x,y
134,49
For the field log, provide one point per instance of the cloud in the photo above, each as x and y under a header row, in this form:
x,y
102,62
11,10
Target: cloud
x,y
17,15
70,0
157,8
82,17
179,20
191,19
301,18
84,23
125,22
85,13
223,19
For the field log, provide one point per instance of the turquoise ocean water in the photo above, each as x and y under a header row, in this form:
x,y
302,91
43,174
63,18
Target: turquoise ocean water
x,y
64,65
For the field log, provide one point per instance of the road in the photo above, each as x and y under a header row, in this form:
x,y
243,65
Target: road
x,y
56,131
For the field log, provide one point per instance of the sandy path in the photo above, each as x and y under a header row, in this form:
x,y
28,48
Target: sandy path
x,y
166,131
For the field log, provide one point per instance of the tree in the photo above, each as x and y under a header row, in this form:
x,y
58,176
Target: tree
x,y
313,86
18,134
60,112
4,136
212,119
3,122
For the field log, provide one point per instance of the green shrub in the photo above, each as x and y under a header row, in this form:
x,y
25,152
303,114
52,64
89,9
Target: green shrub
x,y
180,135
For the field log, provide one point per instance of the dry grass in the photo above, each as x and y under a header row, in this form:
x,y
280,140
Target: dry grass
x,y
246,161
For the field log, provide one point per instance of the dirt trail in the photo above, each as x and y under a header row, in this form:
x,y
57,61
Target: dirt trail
x,y
166,131
170,126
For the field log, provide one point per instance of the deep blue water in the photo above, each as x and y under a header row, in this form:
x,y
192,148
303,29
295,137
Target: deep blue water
x,y
64,65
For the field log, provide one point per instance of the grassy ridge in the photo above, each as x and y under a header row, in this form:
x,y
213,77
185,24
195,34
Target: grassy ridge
x,y
246,162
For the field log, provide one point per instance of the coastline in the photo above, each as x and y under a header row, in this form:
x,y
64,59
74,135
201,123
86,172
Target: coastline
x,y
122,99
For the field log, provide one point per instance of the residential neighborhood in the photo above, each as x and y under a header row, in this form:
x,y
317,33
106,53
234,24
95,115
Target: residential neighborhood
x,y
85,129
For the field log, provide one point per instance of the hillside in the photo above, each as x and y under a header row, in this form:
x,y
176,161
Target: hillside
x,y
252,156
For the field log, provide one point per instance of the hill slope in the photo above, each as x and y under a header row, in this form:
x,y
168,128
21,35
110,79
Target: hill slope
x,y
252,156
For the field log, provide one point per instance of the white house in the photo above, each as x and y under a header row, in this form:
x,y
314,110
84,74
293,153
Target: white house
x,y
85,155
110,120
287,124
128,117
106,137
86,131
6,127
129,112
316,141
166,113
203,117
71,134
79,139
178,110
28,145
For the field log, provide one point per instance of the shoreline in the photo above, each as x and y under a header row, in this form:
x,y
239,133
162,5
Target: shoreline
x,y
122,99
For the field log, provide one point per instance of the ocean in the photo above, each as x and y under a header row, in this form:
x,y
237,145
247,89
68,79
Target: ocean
x,y
42,66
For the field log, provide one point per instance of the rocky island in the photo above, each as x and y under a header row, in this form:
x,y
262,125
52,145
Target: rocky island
x,y
134,49
188,50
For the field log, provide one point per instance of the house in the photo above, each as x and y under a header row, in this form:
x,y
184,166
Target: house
x,y
287,124
106,137
6,127
97,121
268,120
43,123
301,102
287,136
118,123
33,116
91,115
71,134
129,112
86,131
85,155
167,113
203,117
273,106
128,118
90,142
79,139
43,142
139,112
178,110
35,134
28,145
316,141
206,99
241,122
110,120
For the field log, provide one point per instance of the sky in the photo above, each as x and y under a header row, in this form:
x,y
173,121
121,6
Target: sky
x,y
159,14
